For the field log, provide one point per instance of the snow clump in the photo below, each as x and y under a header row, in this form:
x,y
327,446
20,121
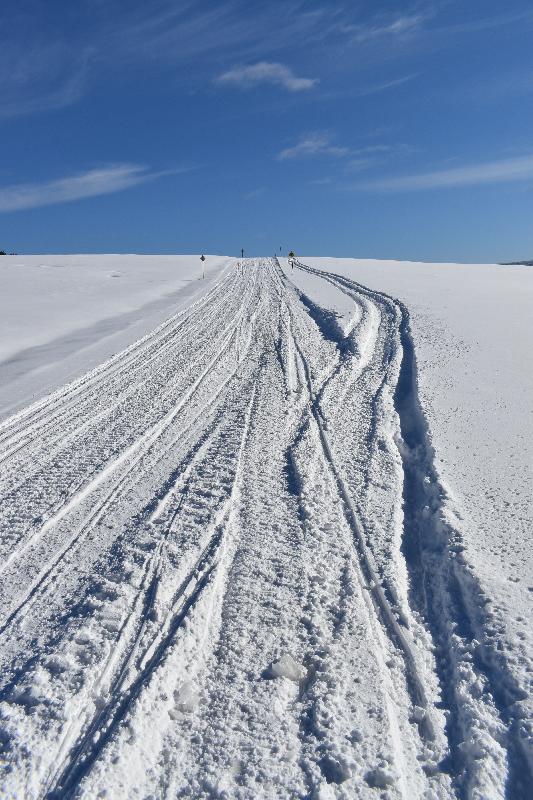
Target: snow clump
x,y
287,667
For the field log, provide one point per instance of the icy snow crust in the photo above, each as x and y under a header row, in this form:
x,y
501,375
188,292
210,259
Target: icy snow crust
x,y
231,567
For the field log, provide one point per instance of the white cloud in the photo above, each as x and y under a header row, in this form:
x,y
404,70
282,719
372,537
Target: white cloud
x,y
266,72
314,144
193,41
506,170
104,180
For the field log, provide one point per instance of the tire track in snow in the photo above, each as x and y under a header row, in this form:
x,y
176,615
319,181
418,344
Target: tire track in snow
x,y
381,618
291,360
100,730
34,477
216,573
91,419
387,615
260,614
448,595
143,445
29,421
241,339
136,452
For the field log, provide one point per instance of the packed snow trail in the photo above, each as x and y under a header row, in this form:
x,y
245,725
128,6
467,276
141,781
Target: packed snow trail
x,y
203,586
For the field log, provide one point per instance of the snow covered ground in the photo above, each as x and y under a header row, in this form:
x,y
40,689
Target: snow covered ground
x,y
278,546
62,315
472,327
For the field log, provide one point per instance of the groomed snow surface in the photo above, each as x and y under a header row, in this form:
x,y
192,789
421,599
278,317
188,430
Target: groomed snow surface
x,y
63,315
276,547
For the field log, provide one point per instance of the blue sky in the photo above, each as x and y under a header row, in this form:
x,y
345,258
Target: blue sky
x,y
370,129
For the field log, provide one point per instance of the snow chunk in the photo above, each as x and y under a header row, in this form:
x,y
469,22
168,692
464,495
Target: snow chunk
x,y
418,714
334,770
380,777
187,697
287,667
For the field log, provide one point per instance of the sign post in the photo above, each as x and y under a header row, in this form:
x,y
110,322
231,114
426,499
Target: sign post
x,y
202,259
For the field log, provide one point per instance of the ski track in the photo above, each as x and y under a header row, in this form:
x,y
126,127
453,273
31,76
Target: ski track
x,y
218,578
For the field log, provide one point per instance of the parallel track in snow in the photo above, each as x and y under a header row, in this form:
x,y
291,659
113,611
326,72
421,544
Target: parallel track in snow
x,y
193,512
142,658
451,602
368,572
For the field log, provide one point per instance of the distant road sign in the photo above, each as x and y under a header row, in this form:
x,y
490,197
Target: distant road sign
x,y
202,258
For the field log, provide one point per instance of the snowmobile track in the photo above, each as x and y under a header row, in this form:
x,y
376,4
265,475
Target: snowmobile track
x,y
205,585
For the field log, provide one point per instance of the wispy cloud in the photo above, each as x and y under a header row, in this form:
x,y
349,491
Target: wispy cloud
x,y
52,78
165,35
322,143
313,144
487,23
358,164
382,149
402,28
374,155
60,96
266,72
45,67
253,193
104,180
504,171
396,27
321,182
383,87
42,69
245,31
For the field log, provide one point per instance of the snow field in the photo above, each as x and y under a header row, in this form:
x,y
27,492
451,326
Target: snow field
x,y
230,570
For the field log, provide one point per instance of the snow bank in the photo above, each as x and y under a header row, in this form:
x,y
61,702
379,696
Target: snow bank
x,y
62,315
